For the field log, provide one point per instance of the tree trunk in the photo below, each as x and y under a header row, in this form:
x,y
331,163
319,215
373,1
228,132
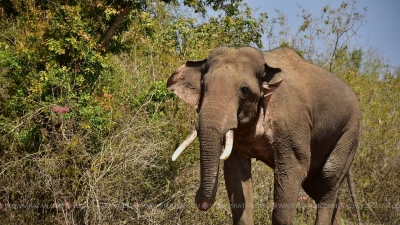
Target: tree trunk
x,y
114,26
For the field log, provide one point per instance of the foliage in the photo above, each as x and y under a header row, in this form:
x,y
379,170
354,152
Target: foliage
x,y
230,7
87,125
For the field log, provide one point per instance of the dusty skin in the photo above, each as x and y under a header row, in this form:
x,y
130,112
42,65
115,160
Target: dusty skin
x,y
299,119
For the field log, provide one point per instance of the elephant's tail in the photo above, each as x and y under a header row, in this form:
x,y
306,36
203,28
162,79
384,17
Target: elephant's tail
x,y
353,195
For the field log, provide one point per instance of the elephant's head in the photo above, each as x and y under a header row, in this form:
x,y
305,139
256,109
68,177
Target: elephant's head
x,y
228,89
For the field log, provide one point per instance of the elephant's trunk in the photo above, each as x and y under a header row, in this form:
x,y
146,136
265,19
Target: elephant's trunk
x,y
210,150
211,131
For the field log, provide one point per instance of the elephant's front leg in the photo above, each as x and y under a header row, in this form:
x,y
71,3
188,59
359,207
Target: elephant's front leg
x,y
237,173
288,176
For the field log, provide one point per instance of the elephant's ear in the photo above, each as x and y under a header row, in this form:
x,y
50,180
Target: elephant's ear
x,y
185,82
273,76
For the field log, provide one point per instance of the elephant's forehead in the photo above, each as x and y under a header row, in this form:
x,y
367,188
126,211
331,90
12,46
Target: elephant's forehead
x,y
222,73
227,69
241,59
227,74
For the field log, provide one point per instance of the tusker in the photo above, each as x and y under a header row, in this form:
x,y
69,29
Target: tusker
x,y
299,119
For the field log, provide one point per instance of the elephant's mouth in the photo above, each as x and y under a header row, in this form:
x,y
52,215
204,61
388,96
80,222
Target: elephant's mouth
x,y
225,154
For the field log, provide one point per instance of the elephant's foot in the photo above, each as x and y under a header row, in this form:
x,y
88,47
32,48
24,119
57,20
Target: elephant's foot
x,y
328,212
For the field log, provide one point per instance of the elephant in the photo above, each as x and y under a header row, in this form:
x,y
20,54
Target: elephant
x,y
299,119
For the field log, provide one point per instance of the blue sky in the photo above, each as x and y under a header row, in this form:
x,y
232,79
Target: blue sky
x,y
380,31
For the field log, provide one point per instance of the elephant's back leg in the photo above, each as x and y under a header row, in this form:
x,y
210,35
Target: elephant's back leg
x,y
324,185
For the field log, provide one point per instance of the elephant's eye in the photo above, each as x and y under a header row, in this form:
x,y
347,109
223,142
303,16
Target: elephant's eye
x,y
244,91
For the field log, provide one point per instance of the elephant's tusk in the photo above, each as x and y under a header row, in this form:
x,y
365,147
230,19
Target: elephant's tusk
x,y
228,145
184,145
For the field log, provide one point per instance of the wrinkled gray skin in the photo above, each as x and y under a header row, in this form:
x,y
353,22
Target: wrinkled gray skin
x,y
299,119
